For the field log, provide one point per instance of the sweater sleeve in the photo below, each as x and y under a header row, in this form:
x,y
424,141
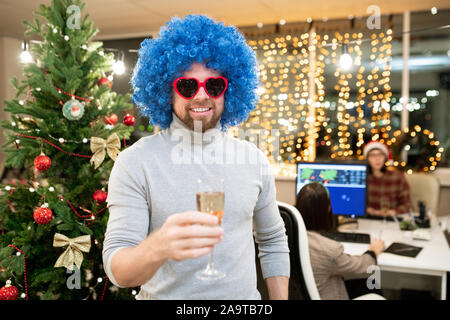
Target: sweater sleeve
x,y
345,264
270,233
129,214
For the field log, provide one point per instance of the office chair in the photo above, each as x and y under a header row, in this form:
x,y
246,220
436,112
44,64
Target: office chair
x,y
301,281
424,187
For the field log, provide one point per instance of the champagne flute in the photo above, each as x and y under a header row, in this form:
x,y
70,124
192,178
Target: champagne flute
x,y
211,199
384,205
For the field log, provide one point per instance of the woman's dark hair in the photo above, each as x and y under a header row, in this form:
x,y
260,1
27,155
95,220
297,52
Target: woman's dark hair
x,y
313,202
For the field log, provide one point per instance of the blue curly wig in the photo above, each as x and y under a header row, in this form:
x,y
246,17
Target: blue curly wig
x,y
196,38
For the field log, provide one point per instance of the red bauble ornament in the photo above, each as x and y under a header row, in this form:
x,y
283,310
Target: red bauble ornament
x,y
9,292
129,120
42,162
112,119
104,80
100,196
43,215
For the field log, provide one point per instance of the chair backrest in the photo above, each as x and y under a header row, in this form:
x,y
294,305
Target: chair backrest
x,y
302,284
424,187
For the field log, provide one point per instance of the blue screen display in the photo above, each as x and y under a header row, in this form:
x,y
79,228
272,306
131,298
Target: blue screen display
x,y
346,184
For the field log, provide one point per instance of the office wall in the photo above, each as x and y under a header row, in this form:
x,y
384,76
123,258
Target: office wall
x,y
285,190
10,67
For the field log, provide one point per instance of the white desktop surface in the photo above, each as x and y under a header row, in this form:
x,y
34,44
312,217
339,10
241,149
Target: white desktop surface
x,y
433,259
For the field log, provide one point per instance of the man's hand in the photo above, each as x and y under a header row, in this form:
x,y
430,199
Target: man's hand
x,y
187,235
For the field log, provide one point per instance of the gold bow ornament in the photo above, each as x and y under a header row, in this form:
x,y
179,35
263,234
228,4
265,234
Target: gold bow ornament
x,y
74,252
98,146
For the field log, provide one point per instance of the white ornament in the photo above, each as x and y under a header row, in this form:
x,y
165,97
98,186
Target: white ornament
x,y
51,189
66,38
85,140
133,292
109,127
31,189
13,124
18,253
21,102
38,89
101,53
84,47
109,107
29,228
99,108
17,141
8,188
23,295
99,280
61,140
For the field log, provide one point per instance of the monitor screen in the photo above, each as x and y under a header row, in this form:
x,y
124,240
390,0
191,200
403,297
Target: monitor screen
x,y
346,184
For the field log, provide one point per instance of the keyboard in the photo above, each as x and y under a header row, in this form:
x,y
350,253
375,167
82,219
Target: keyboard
x,y
347,237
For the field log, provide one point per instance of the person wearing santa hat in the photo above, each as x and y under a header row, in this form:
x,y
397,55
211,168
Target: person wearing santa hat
x,y
388,190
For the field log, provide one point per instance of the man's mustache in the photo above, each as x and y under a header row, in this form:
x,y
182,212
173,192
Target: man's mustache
x,y
201,103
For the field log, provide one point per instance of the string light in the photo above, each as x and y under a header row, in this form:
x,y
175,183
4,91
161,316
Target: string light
x,y
431,161
119,64
25,55
345,61
284,96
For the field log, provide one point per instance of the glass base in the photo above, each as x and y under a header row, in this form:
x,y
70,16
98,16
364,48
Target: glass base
x,y
210,273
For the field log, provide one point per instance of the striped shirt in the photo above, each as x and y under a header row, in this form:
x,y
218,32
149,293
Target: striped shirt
x,y
390,191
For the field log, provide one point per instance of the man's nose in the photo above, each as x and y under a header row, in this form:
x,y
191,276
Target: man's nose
x,y
201,94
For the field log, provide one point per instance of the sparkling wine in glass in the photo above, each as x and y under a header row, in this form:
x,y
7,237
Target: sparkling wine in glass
x,y
210,199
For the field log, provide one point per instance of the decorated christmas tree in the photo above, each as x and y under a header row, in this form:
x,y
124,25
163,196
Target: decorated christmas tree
x,y
65,135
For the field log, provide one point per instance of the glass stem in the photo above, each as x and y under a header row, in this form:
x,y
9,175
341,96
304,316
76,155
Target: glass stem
x,y
211,260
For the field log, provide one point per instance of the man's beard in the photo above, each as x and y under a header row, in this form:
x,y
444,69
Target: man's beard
x,y
206,124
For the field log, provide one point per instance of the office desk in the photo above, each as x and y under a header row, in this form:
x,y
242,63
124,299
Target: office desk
x,y
433,260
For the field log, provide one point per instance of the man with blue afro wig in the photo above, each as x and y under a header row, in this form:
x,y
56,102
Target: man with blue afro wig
x,y
195,80
195,39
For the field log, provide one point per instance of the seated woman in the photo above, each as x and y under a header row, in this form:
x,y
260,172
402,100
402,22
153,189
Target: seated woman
x,y
328,260
387,190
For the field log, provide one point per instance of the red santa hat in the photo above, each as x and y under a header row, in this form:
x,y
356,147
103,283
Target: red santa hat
x,y
380,146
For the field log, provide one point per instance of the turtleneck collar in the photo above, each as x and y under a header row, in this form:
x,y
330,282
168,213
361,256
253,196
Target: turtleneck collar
x,y
179,129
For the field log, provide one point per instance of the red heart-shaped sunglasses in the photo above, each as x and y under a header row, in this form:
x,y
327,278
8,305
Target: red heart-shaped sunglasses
x,y
187,88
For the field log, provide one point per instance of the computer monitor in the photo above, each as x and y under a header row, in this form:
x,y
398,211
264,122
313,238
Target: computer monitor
x,y
346,184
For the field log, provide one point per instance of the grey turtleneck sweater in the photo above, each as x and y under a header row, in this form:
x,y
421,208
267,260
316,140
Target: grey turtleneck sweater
x,y
156,177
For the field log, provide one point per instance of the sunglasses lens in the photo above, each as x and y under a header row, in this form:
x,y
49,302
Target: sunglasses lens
x,y
215,87
187,87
